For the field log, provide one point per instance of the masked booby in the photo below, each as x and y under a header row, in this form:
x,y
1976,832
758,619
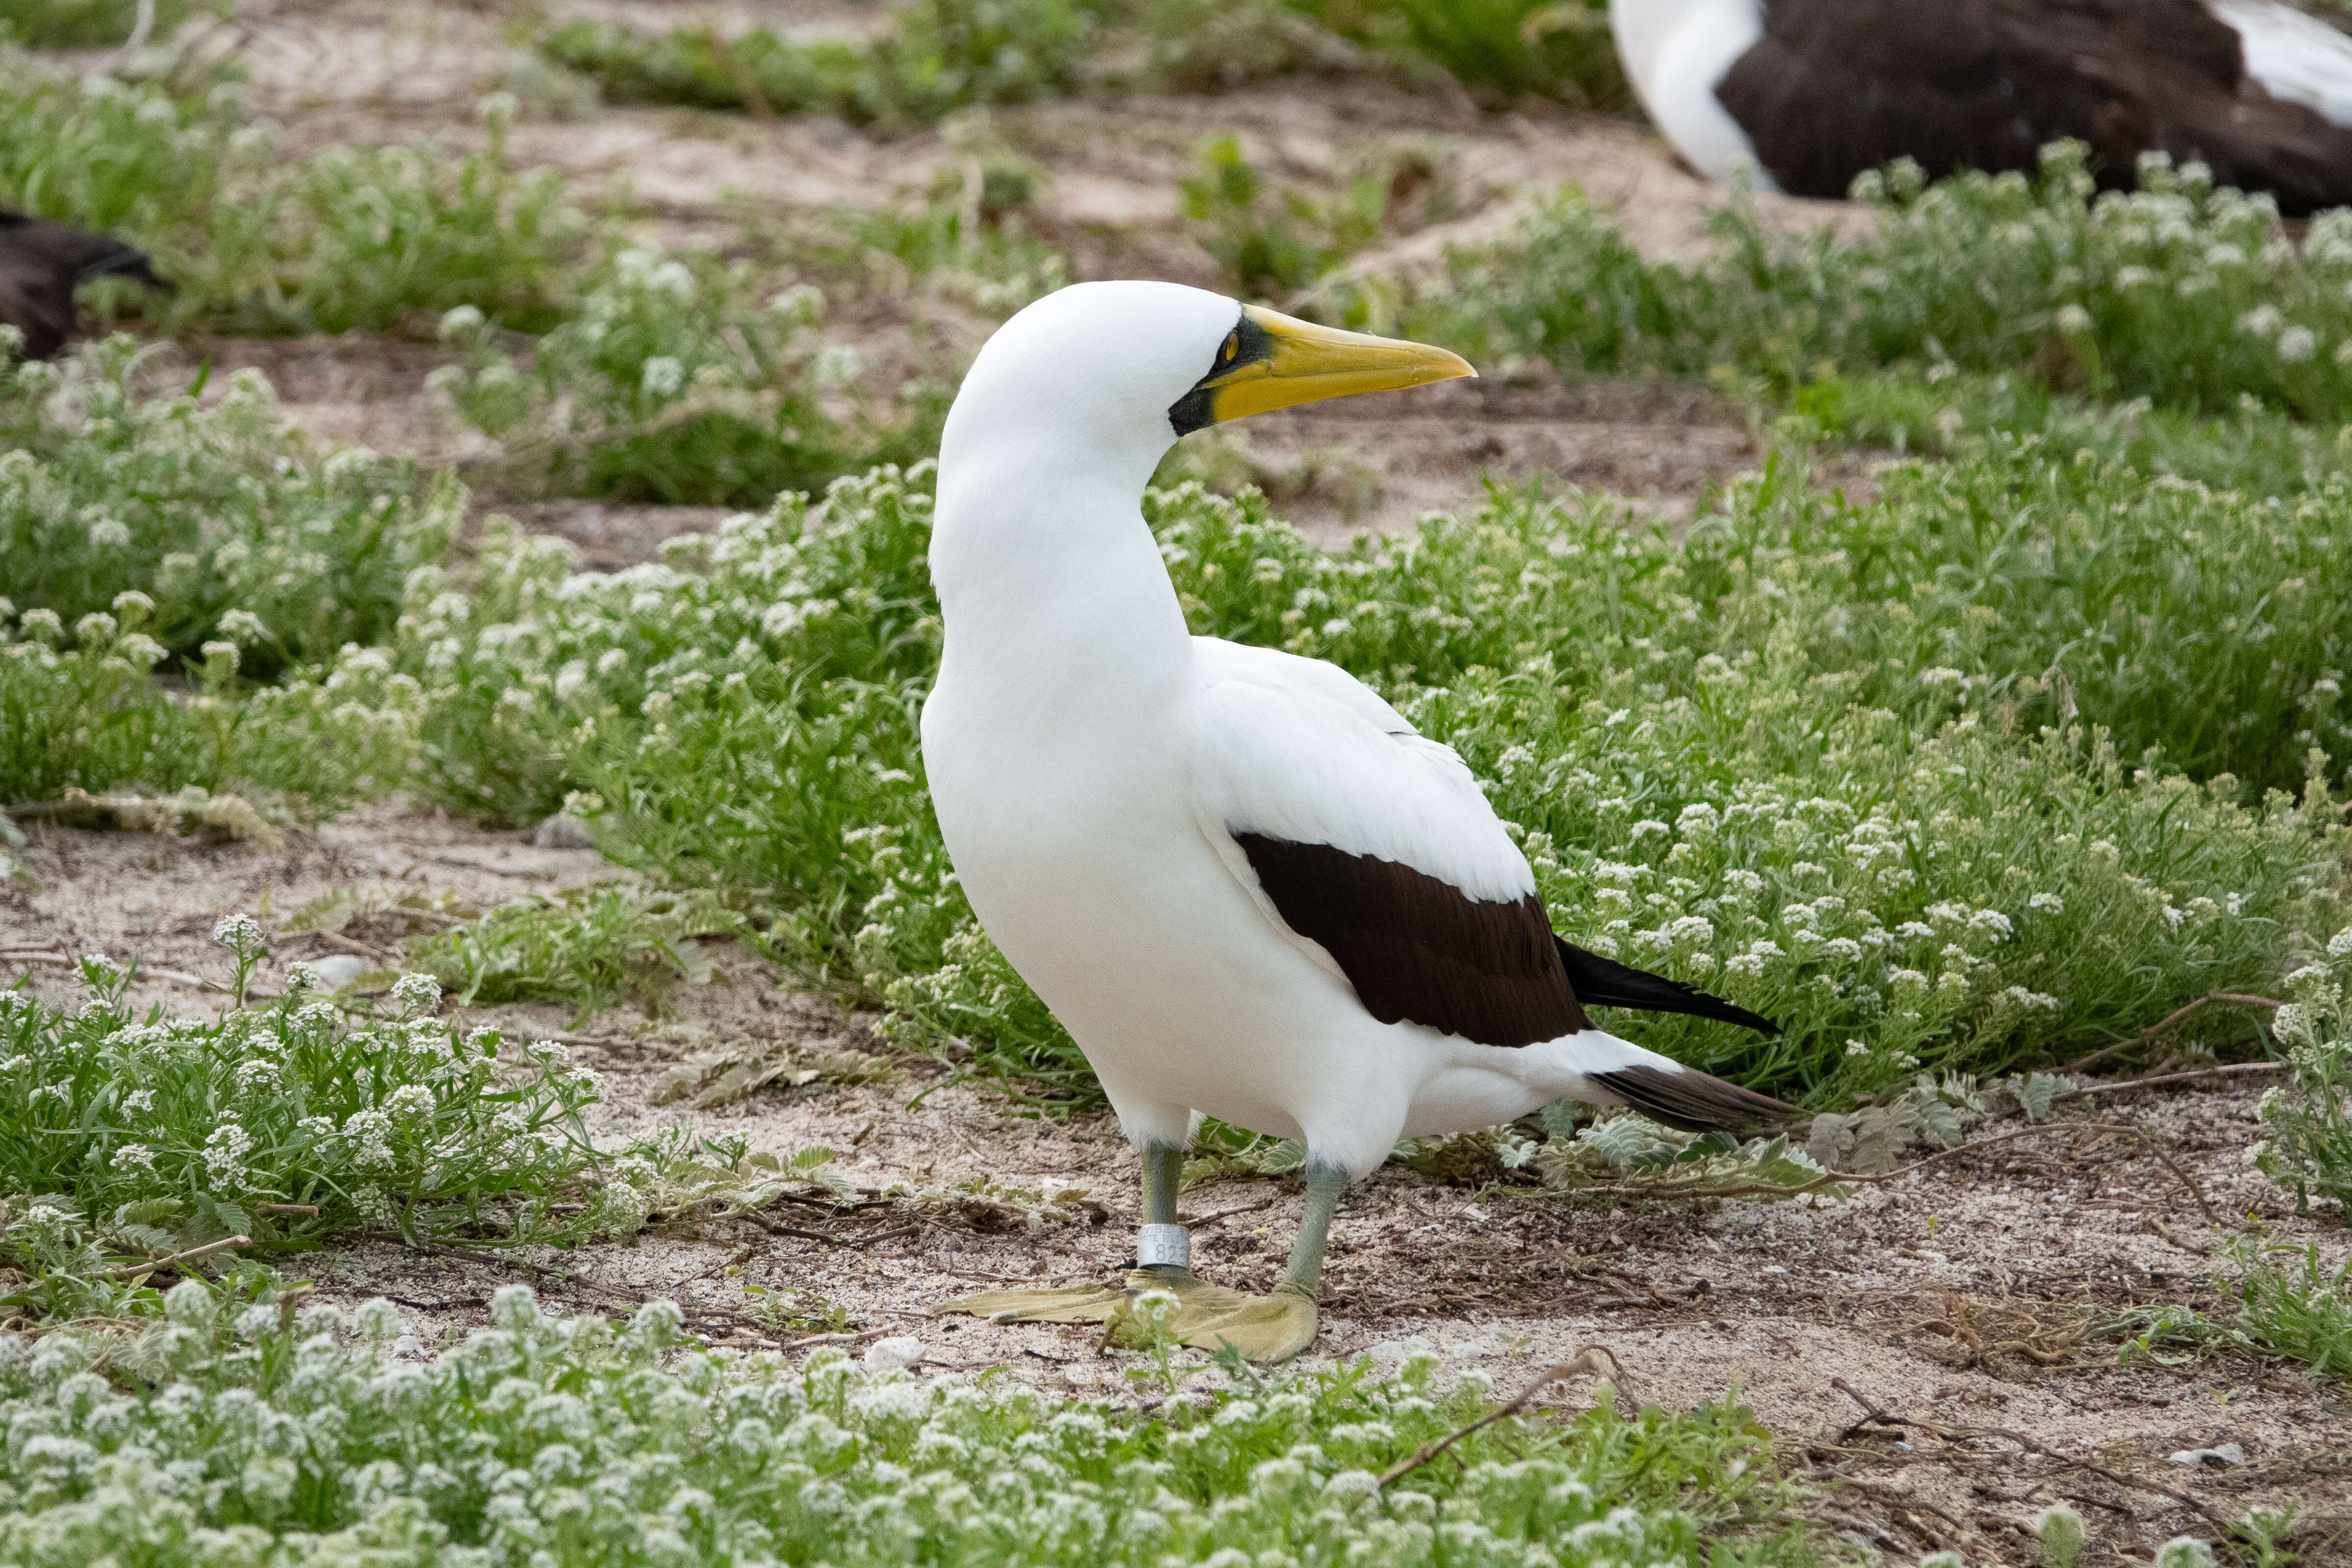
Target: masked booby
x,y
42,262
1241,879
1810,93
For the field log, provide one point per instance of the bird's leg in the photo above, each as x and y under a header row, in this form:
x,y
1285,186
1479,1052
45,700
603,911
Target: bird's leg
x,y
1164,1249
1303,1276
1277,1326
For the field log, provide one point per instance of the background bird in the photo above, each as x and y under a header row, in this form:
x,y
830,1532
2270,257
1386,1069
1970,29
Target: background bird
x,y
41,264
1243,881
1813,92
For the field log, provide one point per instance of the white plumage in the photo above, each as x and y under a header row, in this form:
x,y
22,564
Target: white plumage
x,y
1100,775
1674,52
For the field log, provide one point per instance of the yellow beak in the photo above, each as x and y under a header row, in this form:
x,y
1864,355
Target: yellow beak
x,y
1277,361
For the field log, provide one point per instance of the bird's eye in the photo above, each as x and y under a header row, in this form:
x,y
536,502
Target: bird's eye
x,y
1233,345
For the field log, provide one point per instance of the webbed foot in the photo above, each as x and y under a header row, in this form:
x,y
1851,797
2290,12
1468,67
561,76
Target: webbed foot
x,y
1270,1328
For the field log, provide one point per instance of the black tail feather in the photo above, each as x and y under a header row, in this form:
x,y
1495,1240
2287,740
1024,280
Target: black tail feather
x,y
1693,1100
1605,982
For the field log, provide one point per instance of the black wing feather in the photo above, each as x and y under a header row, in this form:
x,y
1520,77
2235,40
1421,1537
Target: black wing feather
x,y
40,263
1417,948
1693,1100
1605,982
1838,87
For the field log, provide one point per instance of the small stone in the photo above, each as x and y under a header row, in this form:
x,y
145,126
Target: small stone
x,y
893,1355
564,831
337,970
2221,1455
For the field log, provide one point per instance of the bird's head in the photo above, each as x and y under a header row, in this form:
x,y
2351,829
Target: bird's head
x,y
1123,369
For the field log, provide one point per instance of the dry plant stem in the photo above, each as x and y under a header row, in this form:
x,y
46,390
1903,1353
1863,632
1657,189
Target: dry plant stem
x,y
286,1208
2235,1070
145,970
1586,1362
831,1338
1205,1221
1881,1418
1834,1177
2148,1034
136,1270
853,1244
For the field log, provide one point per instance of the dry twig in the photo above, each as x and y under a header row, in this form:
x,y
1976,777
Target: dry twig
x,y
1587,1361
140,1271
2234,1069
1937,1429
2148,1034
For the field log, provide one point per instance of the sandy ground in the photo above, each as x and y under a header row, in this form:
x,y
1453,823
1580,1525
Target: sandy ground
x,y
1780,1303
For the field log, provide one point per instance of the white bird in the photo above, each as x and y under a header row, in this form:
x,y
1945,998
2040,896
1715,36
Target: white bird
x,y
1807,94
1242,882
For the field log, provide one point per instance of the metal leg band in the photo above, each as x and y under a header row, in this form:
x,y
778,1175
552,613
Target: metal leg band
x,y
1162,1246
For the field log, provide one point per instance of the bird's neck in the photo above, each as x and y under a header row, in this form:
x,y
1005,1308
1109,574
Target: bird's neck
x,y
1045,569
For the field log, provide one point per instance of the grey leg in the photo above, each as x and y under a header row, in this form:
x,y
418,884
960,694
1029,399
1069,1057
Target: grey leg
x,y
1304,1276
1164,1172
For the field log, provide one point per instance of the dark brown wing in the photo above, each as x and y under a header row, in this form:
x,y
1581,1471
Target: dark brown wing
x,y
1838,87
41,262
1417,948
37,300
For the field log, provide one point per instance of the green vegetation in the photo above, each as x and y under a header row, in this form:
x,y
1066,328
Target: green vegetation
x,y
210,511
1894,773
2307,1122
1269,244
939,55
2289,1306
2179,294
1499,50
354,236
588,946
674,384
261,1429
284,1125
84,23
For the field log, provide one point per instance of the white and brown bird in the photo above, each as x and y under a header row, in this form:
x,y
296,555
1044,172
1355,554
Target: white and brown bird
x,y
41,265
1242,880
1810,93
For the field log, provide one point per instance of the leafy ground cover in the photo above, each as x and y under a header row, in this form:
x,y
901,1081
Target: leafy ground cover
x,y
937,57
267,1426
2179,295
359,235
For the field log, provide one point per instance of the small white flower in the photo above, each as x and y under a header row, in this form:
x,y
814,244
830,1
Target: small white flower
x,y
2047,904
1856,1048
239,933
139,1099
416,992
662,376
243,626
134,1157
2073,321
409,1099
2297,344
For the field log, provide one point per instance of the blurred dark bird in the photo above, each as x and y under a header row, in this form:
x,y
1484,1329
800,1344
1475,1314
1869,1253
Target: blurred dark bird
x,y
1810,94
42,262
